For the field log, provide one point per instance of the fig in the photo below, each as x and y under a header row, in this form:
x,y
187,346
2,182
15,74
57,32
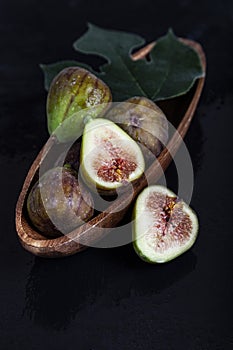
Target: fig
x,y
71,158
109,157
144,121
164,226
58,203
73,90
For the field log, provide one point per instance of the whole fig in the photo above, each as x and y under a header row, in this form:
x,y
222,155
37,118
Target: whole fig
x,y
70,158
57,203
73,90
144,121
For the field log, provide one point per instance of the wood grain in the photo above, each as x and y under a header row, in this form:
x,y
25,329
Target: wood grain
x,y
180,110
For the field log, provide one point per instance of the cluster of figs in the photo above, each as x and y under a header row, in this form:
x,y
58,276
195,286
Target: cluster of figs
x,y
117,142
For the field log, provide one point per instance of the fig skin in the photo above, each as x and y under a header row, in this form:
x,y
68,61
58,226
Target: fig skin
x,y
143,120
168,232
72,158
69,209
73,90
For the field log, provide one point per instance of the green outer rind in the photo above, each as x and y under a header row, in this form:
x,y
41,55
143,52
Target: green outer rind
x,y
73,90
135,241
51,70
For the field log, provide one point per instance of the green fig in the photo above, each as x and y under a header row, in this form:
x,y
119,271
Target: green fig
x,y
164,226
72,90
57,203
109,157
144,121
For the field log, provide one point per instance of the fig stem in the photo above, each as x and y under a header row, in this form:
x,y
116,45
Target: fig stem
x,y
88,118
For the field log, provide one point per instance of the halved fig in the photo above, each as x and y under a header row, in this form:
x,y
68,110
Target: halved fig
x,y
109,157
164,226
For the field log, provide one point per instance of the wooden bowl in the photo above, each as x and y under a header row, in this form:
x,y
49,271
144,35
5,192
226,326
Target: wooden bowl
x,y
179,112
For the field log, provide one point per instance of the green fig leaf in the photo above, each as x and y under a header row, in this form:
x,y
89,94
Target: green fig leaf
x,y
170,71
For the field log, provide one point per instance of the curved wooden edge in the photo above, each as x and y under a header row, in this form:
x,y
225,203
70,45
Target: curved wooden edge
x,y
195,45
66,245
143,52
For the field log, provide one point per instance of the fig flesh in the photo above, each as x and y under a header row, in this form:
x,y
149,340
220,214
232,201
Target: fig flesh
x,y
164,226
144,121
72,90
109,157
58,203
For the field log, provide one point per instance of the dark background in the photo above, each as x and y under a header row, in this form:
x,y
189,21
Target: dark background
x,y
109,299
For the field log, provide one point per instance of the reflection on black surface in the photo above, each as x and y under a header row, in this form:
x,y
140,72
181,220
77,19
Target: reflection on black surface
x,y
145,279
57,289
170,273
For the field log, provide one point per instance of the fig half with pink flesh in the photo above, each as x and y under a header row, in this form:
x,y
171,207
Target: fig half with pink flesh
x,y
109,157
164,226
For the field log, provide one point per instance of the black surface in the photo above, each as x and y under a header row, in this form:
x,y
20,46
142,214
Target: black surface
x,y
109,299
